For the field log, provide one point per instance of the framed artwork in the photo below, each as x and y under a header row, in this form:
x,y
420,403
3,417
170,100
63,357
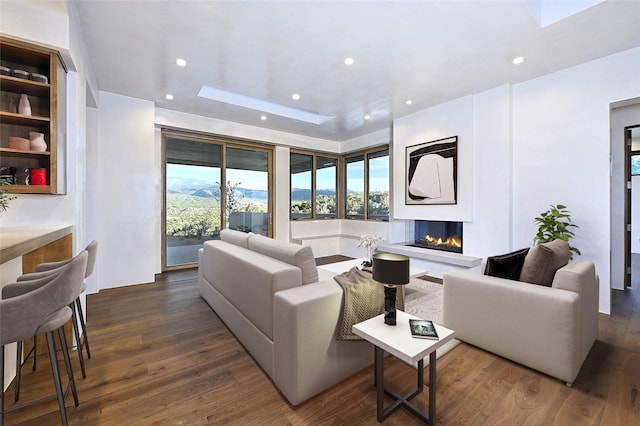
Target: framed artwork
x,y
431,172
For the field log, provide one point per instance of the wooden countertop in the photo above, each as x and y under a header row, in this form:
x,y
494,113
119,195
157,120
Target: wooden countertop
x,y
18,241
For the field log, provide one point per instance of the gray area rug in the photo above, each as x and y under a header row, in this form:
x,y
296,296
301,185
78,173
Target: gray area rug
x,y
424,300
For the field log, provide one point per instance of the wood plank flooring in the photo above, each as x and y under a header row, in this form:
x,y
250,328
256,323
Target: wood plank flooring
x,y
160,355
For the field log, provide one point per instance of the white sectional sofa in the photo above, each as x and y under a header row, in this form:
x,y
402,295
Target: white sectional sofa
x,y
270,295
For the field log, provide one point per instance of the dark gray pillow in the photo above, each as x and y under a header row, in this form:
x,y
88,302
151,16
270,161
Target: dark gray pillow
x,y
506,266
543,261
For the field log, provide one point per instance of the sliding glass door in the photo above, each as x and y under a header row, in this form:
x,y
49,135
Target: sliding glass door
x,y
211,185
247,203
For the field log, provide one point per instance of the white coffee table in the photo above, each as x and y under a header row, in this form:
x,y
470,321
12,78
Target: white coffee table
x,y
397,341
344,266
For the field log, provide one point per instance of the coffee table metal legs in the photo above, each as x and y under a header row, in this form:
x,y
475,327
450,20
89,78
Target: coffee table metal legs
x,y
399,400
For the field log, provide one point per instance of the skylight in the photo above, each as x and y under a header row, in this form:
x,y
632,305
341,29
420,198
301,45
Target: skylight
x,y
262,105
549,12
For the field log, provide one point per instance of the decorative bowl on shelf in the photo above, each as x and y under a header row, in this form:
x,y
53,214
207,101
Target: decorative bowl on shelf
x,y
40,78
20,74
19,143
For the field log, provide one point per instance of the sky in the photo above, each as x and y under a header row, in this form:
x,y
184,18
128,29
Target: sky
x,y
250,179
378,169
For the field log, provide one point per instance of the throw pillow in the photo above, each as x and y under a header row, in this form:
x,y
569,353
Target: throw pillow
x,y
506,266
543,261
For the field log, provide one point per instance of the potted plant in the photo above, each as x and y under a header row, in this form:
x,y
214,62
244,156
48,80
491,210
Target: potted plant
x,y
555,223
4,196
371,243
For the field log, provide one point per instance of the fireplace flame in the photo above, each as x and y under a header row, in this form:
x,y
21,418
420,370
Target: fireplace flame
x,y
450,242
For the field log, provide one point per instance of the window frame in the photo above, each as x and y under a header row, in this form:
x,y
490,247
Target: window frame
x,y
224,142
366,155
314,169
341,182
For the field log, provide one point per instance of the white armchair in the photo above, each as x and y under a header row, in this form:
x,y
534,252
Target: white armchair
x,y
549,329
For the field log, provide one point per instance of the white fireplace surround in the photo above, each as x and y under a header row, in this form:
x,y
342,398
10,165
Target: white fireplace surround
x,y
435,262
328,237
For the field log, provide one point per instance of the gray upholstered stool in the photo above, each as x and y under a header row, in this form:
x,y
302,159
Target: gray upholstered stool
x,y
38,306
82,341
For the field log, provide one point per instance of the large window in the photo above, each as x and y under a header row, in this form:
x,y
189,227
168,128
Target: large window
x,y
326,184
354,171
212,184
314,186
378,184
192,198
301,167
364,185
247,188
367,185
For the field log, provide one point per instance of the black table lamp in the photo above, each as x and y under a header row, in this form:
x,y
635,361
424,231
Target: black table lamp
x,y
391,270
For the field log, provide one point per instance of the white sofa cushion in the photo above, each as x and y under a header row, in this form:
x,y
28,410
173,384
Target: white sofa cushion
x,y
238,238
293,254
249,286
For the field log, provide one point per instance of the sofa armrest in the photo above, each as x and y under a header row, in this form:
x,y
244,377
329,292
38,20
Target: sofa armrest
x,y
580,277
307,357
533,325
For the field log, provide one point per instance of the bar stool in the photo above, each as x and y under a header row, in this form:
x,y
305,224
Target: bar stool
x,y
40,306
43,270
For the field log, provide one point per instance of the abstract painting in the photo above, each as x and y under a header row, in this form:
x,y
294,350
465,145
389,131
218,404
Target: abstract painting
x,y
431,172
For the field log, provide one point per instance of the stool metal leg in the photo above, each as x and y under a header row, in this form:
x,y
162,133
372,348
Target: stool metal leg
x,y
56,376
20,361
35,352
85,337
76,332
67,362
18,369
2,387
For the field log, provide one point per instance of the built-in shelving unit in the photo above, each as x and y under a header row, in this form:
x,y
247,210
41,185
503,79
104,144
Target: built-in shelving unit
x,y
47,109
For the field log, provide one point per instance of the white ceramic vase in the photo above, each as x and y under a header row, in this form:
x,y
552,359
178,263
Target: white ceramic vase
x,y
37,141
24,107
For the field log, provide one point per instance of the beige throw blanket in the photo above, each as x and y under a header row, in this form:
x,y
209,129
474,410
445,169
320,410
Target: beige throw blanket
x,y
363,299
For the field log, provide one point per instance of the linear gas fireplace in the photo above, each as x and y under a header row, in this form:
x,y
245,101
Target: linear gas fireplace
x,y
438,235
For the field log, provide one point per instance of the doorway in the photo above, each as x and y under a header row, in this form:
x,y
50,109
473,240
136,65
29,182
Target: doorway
x,y
632,136
211,184
624,118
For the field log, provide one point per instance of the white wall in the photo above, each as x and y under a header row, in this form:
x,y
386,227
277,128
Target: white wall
x,y
561,140
281,186
31,22
541,142
453,118
490,231
130,194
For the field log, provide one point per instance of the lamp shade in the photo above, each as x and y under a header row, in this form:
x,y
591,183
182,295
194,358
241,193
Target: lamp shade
x,y
391,268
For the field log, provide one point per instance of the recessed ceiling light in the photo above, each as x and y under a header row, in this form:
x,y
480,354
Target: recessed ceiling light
x,y
408,102
181,62
295,96
169,96
367,117
349,61
263,117
517,60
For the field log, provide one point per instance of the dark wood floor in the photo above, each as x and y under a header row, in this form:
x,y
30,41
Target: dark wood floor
x,y
162,356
